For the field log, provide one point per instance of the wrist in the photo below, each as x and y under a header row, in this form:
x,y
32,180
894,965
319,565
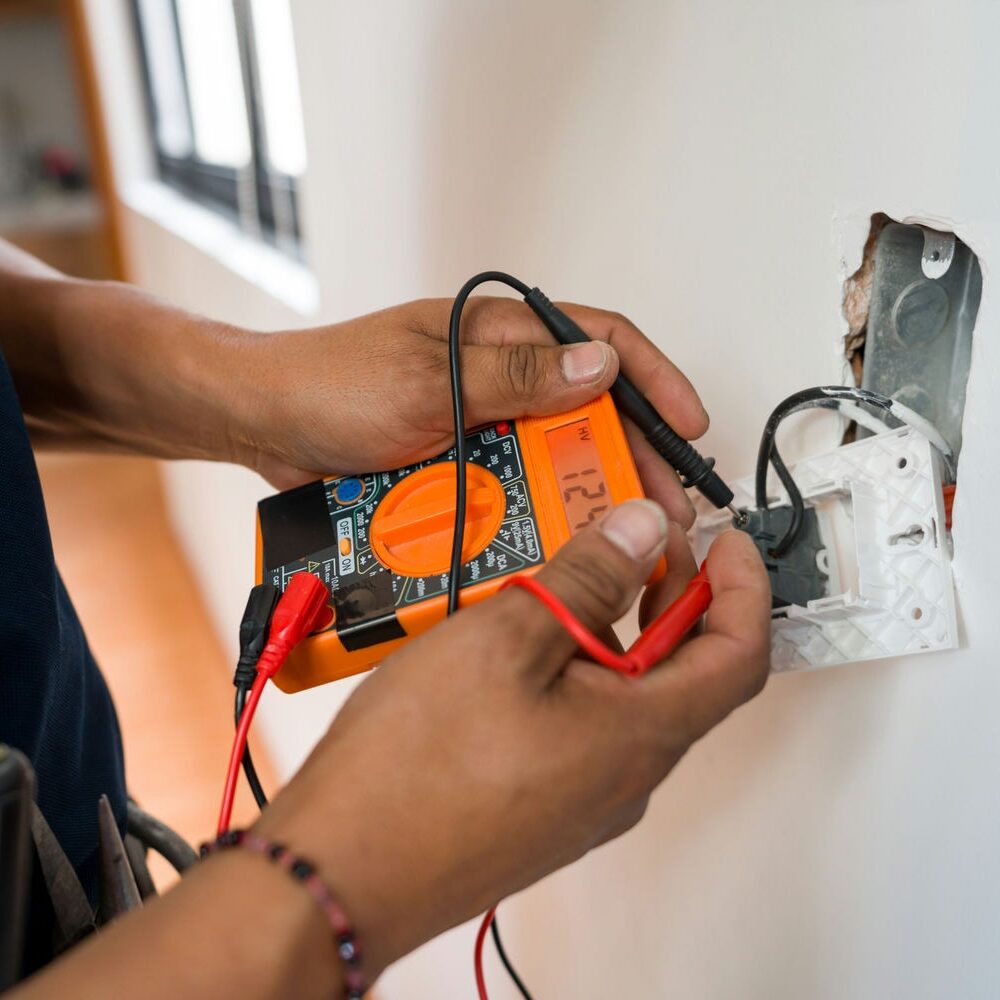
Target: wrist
x,y
300,870
377,894
399,889
370,917
275,931
290,404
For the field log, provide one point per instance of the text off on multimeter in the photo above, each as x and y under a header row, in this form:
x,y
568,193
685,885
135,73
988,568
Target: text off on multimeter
x,y
382,541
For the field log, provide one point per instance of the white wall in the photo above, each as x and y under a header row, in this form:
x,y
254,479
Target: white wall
x,y
708,168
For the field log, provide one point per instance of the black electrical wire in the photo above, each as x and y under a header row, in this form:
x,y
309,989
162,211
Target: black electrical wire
x,y
507,964
458,410
253,636
455,573
253,780
797,504
819,396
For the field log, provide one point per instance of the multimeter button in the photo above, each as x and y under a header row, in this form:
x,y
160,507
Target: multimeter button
x,y
348,490
345,546
503,428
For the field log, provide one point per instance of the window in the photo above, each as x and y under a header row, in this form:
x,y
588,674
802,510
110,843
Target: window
x,y
224,106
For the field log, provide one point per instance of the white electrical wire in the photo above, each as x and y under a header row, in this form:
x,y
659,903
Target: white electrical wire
x,y
870,422
923,426
875,422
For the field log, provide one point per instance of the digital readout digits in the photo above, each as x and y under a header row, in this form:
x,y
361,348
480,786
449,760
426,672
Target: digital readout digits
x,y
577,465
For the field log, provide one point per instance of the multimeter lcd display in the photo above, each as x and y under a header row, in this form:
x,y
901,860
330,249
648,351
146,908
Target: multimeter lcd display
x,y
577,464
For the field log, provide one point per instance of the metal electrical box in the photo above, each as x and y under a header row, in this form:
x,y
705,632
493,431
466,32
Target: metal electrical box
x,y
925,296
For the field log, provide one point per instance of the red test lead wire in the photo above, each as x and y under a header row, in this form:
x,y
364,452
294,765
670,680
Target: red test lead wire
x,y
657,640
480,939
300,610
236,755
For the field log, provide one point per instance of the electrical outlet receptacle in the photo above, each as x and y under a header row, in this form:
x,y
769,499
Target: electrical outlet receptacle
x,y
880,509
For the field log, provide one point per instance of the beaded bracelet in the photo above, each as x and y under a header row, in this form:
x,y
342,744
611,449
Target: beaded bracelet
x,y
305,872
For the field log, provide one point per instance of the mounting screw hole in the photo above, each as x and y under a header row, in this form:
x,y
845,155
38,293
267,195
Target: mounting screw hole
x,y
916,614
901,463
935,255
913,535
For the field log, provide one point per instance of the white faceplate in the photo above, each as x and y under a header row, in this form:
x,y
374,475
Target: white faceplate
x,y
880,510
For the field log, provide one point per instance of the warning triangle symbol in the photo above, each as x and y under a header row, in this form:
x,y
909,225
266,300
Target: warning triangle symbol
x,y
313,566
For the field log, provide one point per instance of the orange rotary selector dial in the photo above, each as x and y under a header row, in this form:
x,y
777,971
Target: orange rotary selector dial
x,y
411,532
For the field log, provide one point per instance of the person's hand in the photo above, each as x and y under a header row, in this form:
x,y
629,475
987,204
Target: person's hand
x,y
373,393
486,754
100,365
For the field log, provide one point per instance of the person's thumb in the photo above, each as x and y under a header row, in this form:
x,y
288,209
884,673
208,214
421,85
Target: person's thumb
x,y
516,380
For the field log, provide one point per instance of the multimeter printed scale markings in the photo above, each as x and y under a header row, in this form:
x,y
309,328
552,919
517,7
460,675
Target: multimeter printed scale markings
x,y
354,502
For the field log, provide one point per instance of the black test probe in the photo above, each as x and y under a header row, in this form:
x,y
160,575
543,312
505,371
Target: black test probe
x,y
690,465
694,469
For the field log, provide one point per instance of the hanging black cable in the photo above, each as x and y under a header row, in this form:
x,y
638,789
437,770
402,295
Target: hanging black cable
x,y
253,635
455,573
458,411
507,964
253,780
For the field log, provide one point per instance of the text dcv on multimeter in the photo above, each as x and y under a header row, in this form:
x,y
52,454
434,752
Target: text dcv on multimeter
x,y
382,541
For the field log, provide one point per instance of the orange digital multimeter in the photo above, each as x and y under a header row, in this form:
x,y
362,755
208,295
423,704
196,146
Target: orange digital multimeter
x,y
382,541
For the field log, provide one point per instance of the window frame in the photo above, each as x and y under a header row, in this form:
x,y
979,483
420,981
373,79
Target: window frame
x,y
255,197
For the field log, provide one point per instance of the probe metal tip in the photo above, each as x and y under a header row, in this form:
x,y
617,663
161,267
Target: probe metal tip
x,y
739,515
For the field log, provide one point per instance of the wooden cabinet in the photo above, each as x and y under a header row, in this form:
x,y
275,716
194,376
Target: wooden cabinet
x,y
56,194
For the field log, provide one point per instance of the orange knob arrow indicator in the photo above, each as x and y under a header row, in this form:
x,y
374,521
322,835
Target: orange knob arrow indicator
x,y
411,532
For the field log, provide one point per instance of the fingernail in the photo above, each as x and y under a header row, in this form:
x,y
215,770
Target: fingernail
x,y
638,528
584,363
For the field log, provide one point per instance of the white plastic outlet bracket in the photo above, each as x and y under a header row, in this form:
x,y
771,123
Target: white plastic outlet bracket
x,y
880,511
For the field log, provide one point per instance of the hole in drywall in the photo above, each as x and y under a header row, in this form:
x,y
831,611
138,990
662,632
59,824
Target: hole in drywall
x,y
901,463
857,299
917,614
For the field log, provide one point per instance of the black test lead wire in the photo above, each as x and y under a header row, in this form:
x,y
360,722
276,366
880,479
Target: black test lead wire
x,y
253,636
458,411
695,470
455,573
249,768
